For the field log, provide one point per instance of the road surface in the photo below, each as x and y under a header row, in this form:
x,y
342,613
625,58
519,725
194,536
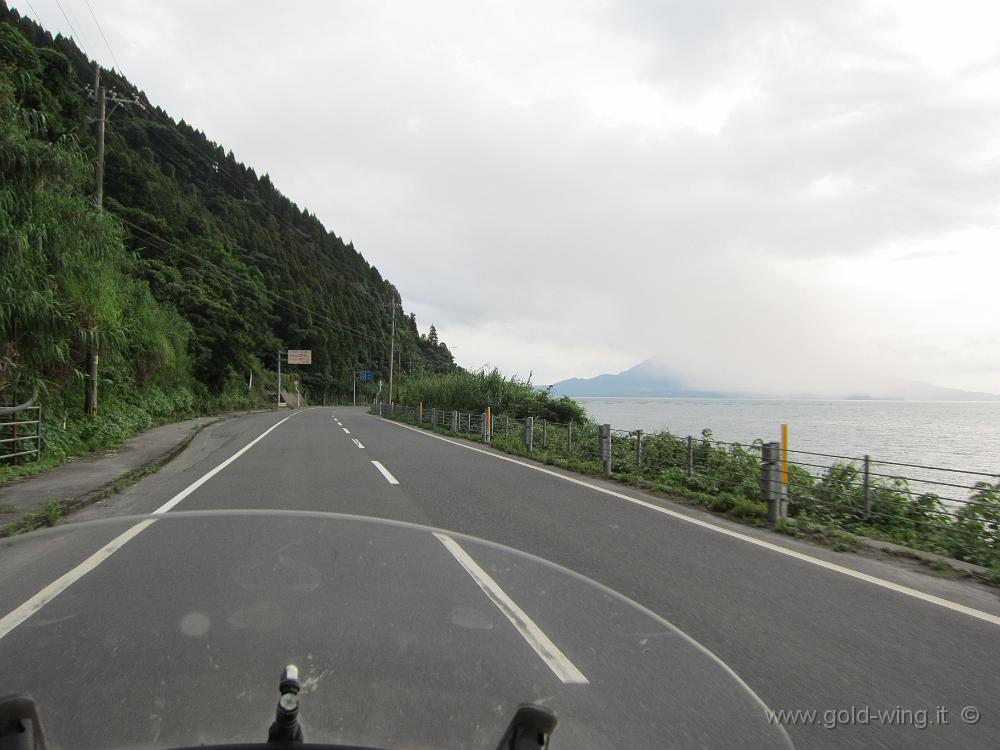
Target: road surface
x,y
146,634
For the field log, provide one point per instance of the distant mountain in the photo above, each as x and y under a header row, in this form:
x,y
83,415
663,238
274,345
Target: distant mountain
x,y
644,379
912,390
651,380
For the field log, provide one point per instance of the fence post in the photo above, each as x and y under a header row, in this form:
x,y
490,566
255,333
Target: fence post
x,y
433,417
482,428
506,427
690,462
638,449
770,482
569,438
604,433
545,433
529,433
868,497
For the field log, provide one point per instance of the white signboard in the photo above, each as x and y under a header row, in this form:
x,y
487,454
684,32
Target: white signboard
x,y
300,356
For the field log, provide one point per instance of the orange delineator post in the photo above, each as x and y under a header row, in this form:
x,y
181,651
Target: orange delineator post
x,y
489,420
784,454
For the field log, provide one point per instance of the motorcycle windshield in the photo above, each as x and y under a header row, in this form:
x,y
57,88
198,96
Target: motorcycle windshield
x,y
173,630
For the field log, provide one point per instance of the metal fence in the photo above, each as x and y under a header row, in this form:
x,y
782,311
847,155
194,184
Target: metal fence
x,y
20,432
947,510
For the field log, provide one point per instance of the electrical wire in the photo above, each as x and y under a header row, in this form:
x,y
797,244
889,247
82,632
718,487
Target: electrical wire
x,y
106,42
76,36
281,299
34,12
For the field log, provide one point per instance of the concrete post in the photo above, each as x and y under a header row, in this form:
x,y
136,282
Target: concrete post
x,y
454,420
690,463
569,438
604,435
529,433
545,433
638,449
482,428
868,495
771,489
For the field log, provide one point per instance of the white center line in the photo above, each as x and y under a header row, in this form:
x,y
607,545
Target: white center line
x,y
50,592
357,442
347,431
556,660
385,472
851,572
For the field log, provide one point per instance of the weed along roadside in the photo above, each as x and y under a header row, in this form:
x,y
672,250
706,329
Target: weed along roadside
x,y
849,505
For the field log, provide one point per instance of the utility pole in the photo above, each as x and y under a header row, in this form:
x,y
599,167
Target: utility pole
x,y
99,164
279,377
100,116
392,348
90,395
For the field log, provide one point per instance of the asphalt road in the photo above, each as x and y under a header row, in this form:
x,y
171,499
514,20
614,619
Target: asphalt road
x,y
408,639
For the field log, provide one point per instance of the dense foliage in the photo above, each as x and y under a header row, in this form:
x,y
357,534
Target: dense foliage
x,y
197,271
474,391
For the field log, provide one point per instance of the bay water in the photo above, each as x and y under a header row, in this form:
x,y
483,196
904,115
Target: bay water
x,y
960,435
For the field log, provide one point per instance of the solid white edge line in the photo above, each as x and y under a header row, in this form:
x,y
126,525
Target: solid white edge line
x,y
547,651
357,442
385,472
890,585
63,582
50,592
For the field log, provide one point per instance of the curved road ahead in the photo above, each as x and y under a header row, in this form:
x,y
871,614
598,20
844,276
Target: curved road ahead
x,y
141,635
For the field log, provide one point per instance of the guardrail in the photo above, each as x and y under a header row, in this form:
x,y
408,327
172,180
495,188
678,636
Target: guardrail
x,y
952,511
20,431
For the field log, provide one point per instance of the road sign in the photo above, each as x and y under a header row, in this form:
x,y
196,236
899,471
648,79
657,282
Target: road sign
x,y
300,356
365,376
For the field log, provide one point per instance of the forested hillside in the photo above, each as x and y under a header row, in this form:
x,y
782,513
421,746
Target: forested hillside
x,y
195,273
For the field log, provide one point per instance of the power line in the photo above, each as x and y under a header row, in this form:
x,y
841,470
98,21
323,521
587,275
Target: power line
x,y
278,297
72,29
34,12
106,42
217,167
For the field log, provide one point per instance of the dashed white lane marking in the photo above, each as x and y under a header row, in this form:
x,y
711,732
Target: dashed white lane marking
x,y
385,472
346,431
357,442
50,592
556,660
890,585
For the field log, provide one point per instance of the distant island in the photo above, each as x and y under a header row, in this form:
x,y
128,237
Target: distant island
x,y
649,379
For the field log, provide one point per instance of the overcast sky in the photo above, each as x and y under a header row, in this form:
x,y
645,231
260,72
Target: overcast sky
x,y
759,193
